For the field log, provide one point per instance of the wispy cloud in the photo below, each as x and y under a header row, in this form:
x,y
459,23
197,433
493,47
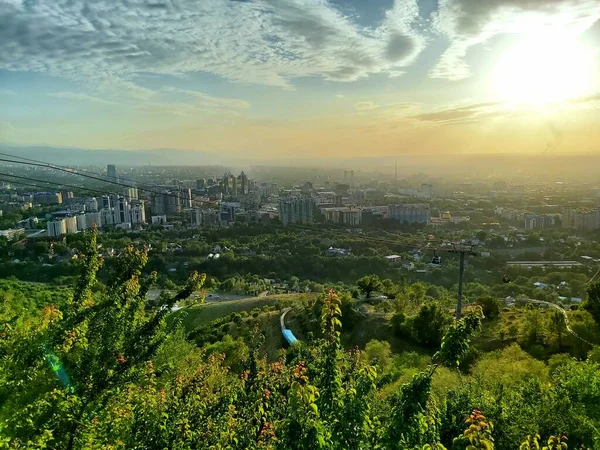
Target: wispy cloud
x,y
365,106
208,101
7,92
468,23
255,41
81,98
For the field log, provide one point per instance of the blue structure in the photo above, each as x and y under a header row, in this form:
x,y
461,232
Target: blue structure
x,y
289,336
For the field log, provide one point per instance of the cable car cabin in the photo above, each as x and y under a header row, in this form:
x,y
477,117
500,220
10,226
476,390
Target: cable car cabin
x,y
436,260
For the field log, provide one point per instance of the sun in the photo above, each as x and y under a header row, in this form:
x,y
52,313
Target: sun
x,y
543,69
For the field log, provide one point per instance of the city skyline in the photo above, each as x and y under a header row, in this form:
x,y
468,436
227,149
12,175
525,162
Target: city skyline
x,y
304,78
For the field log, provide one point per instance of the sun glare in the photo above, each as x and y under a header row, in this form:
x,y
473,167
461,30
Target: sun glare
x,y
542,70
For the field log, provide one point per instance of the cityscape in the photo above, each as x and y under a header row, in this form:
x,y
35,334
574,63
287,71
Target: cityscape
x,y
300,225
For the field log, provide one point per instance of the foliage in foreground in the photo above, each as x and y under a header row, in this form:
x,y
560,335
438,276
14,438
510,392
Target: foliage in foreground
x,y
104,372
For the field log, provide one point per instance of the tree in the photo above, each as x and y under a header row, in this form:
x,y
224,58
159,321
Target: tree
x,y
94,346
369,284
558,326
429,325
592,304
489,305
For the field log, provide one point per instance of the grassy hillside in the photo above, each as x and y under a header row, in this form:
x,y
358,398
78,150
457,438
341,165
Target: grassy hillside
x,y
200,315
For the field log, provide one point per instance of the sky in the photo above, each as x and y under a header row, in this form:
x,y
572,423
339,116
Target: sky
x,y
302,78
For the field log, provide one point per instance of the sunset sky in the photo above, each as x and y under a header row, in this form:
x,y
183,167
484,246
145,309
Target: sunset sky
x,y
302,78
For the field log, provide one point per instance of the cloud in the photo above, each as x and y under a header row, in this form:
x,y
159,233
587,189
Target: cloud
x,y
468,23
208,101
465,113
340,96
80,97
365,106
255,41
7,92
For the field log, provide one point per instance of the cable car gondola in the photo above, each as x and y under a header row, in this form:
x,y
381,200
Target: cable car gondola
x,y
436,260
506,279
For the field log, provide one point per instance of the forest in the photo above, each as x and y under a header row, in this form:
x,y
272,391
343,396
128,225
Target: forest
x,y
96,365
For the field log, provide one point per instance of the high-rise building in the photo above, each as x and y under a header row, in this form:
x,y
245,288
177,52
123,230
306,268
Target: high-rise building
x,y
130,193
173,202
166,202
348,215
122,212
196,217
56,228
106,202
138,212
71,224
411,213
93,219
296,210
229,211
244,185
81,222
107,217
186,197
111,172
583,219
91,204
200,183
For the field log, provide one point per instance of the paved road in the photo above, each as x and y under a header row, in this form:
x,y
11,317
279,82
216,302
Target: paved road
x,y
564,313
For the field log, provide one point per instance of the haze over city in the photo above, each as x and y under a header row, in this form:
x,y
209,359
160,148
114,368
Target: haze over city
x,y
303,79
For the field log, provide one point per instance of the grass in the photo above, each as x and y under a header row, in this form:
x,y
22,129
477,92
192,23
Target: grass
x,y
199,315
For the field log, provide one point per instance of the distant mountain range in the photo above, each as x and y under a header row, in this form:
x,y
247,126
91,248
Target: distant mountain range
x,y
466,165
86,157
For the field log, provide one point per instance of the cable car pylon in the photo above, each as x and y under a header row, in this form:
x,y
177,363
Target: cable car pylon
x,y
462,249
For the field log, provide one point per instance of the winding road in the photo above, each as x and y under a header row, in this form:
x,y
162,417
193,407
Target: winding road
x,y
564,313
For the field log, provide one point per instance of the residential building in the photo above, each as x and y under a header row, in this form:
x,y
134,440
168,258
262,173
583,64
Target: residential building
x,y
71,224
205,218
229,211
196,217
296,210
81,222
130,193
138,212
106,202
325,199
47,198
410,213
348,215
92,219
158,220
122,211
56,228
583,219
91,204
173,202
167,202
107,217
186,198
536,221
